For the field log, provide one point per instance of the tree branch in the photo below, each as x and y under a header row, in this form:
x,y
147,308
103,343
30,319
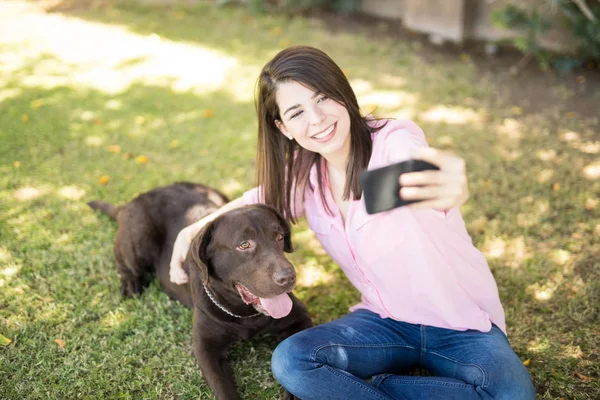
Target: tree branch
x,y
585,9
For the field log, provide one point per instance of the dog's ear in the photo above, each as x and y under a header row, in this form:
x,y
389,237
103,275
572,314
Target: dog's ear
x,y
285,225
198,253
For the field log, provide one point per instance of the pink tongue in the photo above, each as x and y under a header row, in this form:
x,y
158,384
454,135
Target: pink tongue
x,y
278,306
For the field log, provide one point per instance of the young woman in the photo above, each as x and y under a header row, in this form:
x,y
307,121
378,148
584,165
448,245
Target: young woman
x,y
429,299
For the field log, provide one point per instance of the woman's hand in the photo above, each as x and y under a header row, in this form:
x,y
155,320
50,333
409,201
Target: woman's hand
x,y
443,189
180,250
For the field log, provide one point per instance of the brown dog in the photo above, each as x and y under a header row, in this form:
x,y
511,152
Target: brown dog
x,y
240,281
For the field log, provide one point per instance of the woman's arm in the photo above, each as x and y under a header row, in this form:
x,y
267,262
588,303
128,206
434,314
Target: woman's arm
x,y
185,236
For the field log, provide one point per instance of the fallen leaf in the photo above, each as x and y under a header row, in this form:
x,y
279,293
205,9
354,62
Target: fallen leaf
x,y
115,148
527,362
141,159
583,377
37,104
127,155
516,110
570,115
276,31
4,341
556,187
16,164
60,343
25,118
208,113
174,143
99,122
104,180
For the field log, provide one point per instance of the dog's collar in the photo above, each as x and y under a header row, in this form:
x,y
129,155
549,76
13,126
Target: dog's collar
x,y
226,311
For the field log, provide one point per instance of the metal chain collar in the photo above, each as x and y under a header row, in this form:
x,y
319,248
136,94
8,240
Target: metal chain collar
x,y
226,311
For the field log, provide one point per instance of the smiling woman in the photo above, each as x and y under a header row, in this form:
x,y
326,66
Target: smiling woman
x,y
428,300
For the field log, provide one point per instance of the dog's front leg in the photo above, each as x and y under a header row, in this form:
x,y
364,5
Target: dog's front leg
x,y
211,353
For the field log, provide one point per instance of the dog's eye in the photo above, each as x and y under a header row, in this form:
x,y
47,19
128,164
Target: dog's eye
x,y
279,237
245,245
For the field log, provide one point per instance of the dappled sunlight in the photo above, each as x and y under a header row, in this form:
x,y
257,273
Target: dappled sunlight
x,y
307,240
511,128
28,193
572,351
544,175
592,171
386,100
542,292
6,94
112,320
71,192
538,345
546,155
83,53
514,252
94,141
231,186
450,115
310,274
573,140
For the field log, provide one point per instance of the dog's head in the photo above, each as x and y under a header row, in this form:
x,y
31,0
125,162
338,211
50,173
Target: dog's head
x,y
243,250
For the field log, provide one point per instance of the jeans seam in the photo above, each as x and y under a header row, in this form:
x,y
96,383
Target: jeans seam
x,y
365,386
428,382
314,352
483,373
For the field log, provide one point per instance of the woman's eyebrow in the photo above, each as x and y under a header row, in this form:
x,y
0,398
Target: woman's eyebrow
x,y
298,105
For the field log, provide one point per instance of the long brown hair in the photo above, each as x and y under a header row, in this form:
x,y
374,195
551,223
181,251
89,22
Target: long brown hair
x,y
276,154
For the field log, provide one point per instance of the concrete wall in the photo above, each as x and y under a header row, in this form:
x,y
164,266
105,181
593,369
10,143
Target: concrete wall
x,y
456,20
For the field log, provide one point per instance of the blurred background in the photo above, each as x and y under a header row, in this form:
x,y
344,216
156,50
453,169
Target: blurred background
x,y
105,100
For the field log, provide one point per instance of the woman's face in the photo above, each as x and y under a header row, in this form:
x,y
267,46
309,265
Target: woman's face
x,y
316,122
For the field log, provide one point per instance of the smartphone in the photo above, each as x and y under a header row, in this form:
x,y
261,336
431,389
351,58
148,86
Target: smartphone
x,y
381,186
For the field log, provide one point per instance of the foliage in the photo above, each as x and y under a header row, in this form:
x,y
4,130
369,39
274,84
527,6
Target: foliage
x,y
533,23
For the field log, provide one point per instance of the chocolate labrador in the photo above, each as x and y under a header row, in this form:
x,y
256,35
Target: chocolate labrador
x,y
240,281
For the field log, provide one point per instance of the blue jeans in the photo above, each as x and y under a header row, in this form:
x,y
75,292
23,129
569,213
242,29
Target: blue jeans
x,y
335,360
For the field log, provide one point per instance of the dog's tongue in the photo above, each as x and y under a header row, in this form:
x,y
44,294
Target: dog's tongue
x,y
278,306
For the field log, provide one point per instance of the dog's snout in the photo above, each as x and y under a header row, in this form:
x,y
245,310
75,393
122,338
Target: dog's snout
x,y
284,277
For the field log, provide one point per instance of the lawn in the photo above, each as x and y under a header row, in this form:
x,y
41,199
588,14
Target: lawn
x,y
110,102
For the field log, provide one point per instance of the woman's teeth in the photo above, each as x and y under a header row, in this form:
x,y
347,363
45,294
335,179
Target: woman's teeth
x,y
324,133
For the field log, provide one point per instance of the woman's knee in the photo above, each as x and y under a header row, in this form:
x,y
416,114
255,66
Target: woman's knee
x,y
290,359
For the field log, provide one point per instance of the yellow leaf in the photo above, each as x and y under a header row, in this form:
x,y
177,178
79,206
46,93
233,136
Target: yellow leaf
x,y
115,148
104,180
516,110
583,377
127,155
141,160
526,362
60,343
570,115
98,122
208,113
37,104
174,143
556,187
276,31
4,341
16,164
25,118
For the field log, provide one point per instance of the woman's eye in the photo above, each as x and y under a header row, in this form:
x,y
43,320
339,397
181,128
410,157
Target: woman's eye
x,y
279,237
245,245
295,114
323,98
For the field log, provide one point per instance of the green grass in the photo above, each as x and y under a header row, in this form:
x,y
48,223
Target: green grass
x,y
534,208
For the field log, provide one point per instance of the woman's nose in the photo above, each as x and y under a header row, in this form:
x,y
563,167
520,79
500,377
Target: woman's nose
x,y
316,116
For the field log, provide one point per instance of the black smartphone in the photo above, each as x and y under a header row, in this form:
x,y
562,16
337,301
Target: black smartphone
x,y
381,188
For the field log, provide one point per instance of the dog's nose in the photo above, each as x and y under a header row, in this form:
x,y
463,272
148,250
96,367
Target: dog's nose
x,y
284,277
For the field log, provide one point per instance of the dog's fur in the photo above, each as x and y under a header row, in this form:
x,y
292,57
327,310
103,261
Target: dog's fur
x,y
148,227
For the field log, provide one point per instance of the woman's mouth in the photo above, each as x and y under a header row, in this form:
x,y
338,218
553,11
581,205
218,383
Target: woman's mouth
x,y
325,135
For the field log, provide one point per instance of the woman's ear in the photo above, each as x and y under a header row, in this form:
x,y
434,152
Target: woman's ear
x,y
283,129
